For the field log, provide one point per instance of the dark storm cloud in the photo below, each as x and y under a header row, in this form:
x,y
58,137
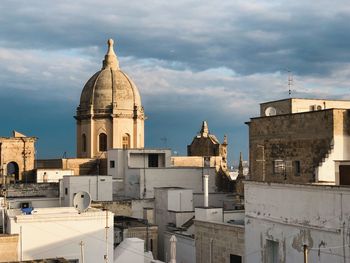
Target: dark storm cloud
x,y
246,37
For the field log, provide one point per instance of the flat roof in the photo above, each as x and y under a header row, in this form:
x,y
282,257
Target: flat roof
x,y
55,214
303,99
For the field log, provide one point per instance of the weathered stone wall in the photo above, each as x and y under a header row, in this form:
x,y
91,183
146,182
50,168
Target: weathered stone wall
x,y
8,247
218,241
281,106
304,137
33,190
19,150
80,166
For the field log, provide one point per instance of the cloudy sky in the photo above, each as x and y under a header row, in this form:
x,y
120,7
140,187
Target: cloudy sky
x,y
191,60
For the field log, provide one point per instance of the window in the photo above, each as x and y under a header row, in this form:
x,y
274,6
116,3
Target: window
x,y
297,168
235,259
111,164
272,251
153,160
83,142
66,191
279,167
102,142
126,141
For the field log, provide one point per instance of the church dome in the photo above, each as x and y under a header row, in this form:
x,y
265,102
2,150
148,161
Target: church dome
x,y
108,89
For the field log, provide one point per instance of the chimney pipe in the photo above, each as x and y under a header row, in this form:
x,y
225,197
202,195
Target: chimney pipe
x,y
206,190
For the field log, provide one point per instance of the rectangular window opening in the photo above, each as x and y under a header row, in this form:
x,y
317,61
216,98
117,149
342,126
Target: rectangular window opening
x,y
153,160
235,259
297,168
111,164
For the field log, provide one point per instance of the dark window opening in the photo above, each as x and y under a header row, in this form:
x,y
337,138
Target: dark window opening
x,y
102,142
13,171
153,160
272,251
297,168
344,174
66,191
235,259
111,164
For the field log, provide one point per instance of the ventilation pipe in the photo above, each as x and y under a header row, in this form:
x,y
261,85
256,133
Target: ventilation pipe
x,y
206,190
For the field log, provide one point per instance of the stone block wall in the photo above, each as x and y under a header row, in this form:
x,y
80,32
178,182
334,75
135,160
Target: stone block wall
x,y
19,151
304,137
8,248
33,190
216,242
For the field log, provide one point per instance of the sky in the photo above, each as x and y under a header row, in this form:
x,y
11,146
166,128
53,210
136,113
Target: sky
x,y
191,60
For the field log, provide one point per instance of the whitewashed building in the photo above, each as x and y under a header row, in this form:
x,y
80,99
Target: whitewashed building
x,y
98,186
284,221
63,232
136,172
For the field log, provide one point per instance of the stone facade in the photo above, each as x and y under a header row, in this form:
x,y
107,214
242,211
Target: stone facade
x,y
211,150
218,242
8,248
110,114
17,155
298,147
80,166
32,190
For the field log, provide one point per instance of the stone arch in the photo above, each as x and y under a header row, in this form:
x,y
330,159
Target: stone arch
x,y
102,142
12,169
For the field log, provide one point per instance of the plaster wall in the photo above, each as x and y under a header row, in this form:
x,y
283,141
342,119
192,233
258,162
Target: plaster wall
x,y
164,217
295,105
209,214
99,188
131,250
51,175
60,231
180,200
293,216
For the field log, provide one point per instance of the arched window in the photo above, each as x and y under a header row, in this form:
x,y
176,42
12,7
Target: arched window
x,y
102,138
126,141
83,142
13,171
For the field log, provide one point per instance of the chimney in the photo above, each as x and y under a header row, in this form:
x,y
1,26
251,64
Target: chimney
x,y
206,190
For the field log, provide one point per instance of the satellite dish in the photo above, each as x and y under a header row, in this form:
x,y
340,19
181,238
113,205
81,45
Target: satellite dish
x,y
270,111
82,201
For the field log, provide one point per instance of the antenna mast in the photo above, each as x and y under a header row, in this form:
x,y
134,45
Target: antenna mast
x,y
290,83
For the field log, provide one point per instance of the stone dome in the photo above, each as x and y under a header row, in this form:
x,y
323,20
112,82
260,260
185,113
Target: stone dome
x,y
108,89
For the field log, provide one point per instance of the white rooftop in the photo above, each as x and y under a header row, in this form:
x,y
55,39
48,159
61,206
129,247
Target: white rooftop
x,y
54,214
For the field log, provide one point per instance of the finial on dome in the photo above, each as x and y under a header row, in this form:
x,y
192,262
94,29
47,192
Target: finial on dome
x,y
204,130
111,60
